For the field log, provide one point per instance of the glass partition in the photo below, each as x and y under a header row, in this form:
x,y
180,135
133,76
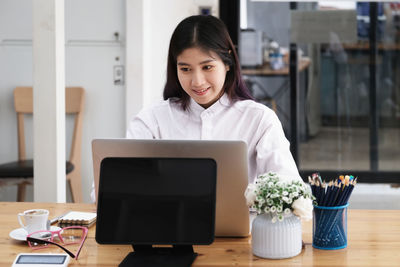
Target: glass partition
x,y
337,93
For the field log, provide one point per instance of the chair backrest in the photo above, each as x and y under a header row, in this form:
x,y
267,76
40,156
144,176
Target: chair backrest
x,y
74,102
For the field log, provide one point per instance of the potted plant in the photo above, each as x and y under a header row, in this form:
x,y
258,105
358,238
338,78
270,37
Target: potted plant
x,y
280,203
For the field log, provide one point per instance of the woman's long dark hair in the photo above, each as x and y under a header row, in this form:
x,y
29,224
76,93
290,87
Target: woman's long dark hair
x,y
209,34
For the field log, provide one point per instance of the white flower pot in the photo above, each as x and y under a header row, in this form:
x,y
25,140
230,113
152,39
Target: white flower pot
x,y
277,240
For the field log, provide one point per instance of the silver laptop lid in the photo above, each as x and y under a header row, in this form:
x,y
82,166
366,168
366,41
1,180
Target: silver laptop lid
x,y
232,213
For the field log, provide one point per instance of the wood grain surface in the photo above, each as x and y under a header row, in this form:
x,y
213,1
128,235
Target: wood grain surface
x,y
373,240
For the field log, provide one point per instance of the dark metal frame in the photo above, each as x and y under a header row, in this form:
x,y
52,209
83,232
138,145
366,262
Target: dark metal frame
x,y
374,117
229,13
294,97
294,102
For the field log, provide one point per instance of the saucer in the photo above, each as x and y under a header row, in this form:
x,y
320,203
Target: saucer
x,y
20,233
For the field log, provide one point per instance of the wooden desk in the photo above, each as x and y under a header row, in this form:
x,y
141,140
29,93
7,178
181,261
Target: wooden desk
x,y
373,240
266,70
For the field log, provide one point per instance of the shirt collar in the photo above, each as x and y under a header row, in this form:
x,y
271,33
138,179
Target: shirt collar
x,y
222,102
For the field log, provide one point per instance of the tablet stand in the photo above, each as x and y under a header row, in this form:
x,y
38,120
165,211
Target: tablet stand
x,y
148,256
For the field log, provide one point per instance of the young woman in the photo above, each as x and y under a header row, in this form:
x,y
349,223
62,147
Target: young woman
x,y
205,98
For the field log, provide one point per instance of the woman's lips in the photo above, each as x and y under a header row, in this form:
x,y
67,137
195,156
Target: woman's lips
x,y
201,92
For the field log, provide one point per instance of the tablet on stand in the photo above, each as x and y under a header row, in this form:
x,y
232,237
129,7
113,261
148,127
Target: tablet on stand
x,y
148,202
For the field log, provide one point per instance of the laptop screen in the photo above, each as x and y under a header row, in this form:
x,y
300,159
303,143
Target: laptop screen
x,y
156,201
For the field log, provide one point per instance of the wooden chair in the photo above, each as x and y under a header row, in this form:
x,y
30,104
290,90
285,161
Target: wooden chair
x,y
19,171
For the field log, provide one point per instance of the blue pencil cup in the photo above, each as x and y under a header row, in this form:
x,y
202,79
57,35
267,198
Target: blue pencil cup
x,y
330,227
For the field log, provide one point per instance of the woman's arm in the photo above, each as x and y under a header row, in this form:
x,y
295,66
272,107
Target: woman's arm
x,y
137,129
273,149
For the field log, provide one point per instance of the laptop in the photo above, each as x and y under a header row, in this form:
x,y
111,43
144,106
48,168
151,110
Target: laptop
x,y
232,213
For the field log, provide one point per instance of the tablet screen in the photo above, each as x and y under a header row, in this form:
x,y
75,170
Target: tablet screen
x,y
156,201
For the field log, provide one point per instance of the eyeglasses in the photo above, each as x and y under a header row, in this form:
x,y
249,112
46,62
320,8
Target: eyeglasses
x,y
67,236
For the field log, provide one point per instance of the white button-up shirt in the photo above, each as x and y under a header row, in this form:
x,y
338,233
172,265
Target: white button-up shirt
x,y
251,122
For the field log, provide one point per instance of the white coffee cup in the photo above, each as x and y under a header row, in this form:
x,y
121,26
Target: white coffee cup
x,y
35,220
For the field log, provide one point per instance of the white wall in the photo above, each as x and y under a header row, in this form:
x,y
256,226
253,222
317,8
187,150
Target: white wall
x,y
153,21
165,16
15,69
91,52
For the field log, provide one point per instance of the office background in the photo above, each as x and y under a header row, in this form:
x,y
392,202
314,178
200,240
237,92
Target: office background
x,y
101,35
95,37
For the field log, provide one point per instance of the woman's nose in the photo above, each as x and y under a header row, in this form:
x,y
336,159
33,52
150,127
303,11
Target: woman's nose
x,y
197,78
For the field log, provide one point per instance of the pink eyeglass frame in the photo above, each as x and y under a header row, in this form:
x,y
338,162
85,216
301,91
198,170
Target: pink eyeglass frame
x,y
58,232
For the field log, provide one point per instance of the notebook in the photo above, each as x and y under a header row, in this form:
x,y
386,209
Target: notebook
x,y
78,218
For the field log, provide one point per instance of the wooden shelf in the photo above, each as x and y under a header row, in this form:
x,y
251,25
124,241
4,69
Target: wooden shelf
x,y
266,70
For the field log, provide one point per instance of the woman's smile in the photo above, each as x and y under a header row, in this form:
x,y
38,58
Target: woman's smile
x,y
201,92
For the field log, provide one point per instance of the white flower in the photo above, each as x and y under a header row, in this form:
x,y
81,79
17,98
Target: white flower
x,y
303,207
280,184
250,194
287,211
287,200
275,194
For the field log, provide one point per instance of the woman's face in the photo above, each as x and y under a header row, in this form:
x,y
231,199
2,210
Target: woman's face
x,y
201,75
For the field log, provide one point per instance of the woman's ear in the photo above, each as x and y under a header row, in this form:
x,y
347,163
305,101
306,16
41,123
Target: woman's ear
x,y
227,67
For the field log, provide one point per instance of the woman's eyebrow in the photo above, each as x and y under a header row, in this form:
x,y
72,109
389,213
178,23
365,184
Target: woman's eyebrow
x,y
207,61
202,62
